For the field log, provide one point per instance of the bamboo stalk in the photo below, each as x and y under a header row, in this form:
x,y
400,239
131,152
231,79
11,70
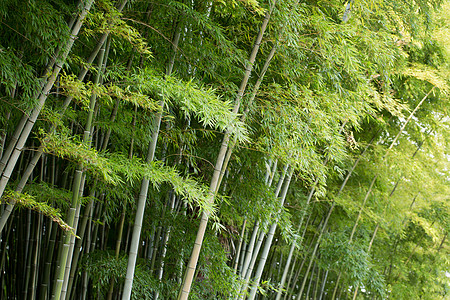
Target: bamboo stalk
x,y
192,264
144,190
31,119
238,250
269,239
248,273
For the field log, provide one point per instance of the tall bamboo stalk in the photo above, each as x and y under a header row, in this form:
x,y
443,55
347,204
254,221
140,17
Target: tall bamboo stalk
x,y
31,119
386,206
238,250
293,245
25,176
248,273
269,239
213,187
78,181
144,186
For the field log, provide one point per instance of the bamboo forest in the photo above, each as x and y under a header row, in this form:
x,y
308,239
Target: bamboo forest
x,y
224,149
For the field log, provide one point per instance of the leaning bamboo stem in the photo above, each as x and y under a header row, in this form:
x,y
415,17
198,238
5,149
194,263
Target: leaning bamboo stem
x,y
77,251
39,152
192,264
351,171
58,289
246,274
386,206
291,250
269,239
238,250
42,98
250,247
134,246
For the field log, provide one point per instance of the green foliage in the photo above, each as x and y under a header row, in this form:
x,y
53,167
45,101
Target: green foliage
x,y
213,268
115,168
338,78
352,260
103,267
82,92
16,74
29,201
193,100
107,19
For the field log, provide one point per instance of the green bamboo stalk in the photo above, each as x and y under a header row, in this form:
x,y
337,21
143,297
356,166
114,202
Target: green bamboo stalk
x,y
122,216
144,189
42,98
58,293
12,143
4,134
272,262
316,283
39,152
269,239
117,250
291,274
336,286
35,265
297,274
322,288
242,258
354,229
72,242
3,266
77,248
398,240
238,250
45,285
292,248
88,248
27,259
316,246
87,138
311,280
346,180
386,206
192,264
368,250
385,155
249,250
248,273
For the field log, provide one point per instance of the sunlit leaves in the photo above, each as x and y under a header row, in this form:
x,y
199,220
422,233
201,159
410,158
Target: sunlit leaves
x,y
30,202
115,168
193,100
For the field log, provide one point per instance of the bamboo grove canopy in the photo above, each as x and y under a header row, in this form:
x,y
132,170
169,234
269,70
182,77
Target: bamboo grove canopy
x,y
224,149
